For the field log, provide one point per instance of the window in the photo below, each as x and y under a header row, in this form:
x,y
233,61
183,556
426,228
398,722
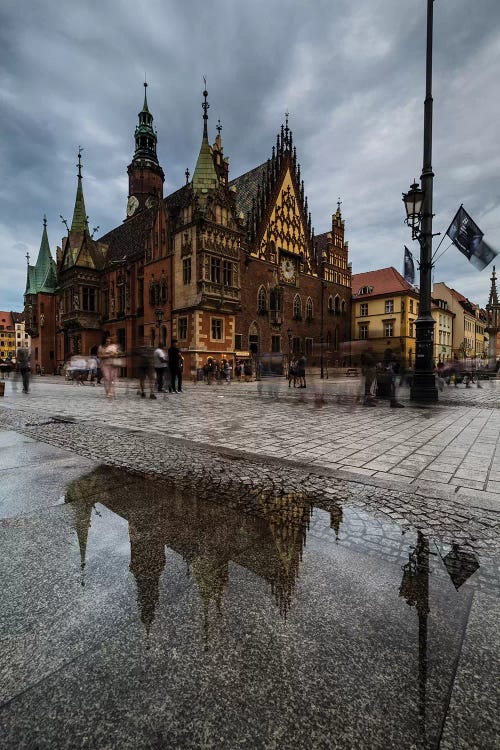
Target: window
x,y
217,324
337,305
330,302
182,328
297,307
164,289
363,309
227,273
296,348
388,330
215,270
309,346
186,271
121,298
238,341
140,291
88,298
343,307
389,305
411,328
363,331
309,309
276,343
261,300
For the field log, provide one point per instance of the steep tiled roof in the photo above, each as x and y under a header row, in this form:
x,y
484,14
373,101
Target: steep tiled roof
x,y
322,243
17,317
383,281
42,277
176,198
246,187
129,239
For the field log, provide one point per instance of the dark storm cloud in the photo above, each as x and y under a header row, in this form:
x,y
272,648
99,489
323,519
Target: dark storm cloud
x,y
352,76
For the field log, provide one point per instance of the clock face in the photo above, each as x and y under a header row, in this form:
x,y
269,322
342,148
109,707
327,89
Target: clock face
x,y
150,202
132,205
288,269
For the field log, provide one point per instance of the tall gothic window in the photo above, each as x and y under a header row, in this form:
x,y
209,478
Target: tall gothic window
x,y
297,307
309,309
261,300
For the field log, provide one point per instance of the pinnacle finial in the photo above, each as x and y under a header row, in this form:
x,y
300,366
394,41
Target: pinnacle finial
x,y
79,165
219,126
187,175
145,106
339,203
45,224
28,258
205,106
286,122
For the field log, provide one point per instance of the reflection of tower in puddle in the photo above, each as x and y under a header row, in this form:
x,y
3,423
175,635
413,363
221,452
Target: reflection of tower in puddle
x,y
212,575
147,561
77,494
288,517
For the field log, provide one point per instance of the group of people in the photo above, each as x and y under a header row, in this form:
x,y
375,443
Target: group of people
x,y
161,367
380,377
217,371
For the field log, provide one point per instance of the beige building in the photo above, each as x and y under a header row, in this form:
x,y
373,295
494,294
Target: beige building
x,y
443,330
469,337
384,310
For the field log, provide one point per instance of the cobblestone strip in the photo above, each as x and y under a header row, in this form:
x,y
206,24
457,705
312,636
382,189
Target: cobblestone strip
x,y
244,479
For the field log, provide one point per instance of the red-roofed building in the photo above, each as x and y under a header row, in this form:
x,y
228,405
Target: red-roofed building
x,y
384,310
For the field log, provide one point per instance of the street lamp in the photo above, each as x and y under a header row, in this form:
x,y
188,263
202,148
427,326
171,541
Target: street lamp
x,y
159,320
418,204
321,334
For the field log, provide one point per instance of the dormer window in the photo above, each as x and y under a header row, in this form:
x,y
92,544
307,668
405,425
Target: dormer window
x,y
365,290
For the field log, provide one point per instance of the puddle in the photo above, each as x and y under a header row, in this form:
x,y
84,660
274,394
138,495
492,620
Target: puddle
x,y
287,625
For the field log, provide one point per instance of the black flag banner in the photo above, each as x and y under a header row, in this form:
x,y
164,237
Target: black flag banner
x,y
466,235
409,267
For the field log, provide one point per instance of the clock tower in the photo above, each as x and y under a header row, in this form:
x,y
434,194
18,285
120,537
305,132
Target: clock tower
x,y
145,175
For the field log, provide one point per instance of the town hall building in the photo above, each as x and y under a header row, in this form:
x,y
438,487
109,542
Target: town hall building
x,y
230,268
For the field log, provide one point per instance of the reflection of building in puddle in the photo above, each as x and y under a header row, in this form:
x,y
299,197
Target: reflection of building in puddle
x,y
207,535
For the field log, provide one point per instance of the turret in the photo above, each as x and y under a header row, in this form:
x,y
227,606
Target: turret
x,y
145,175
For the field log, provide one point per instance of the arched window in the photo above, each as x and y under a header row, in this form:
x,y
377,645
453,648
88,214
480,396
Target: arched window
x,y
253,338
309,309
297,307
330,302
342,306
261,300
337,304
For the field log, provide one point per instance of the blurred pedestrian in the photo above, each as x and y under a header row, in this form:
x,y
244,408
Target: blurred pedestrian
x,y
368,369
175,365
301,371
109,355
144,361
160,360
23,357
292,373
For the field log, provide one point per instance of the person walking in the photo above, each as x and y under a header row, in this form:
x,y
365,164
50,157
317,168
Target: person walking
x,y
23,366
301,371
368,369
175,366
144,358
109,356
160,361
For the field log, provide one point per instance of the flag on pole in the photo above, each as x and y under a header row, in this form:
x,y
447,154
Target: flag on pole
x,y
468,238
409,267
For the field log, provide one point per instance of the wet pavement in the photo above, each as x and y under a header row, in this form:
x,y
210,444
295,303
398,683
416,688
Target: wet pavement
x,y
143,613
161,592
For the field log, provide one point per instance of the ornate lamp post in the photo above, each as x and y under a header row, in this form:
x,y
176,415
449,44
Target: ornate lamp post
x,y
159,320
418,204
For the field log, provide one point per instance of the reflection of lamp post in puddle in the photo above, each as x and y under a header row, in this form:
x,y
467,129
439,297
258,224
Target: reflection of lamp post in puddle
x,y
415,589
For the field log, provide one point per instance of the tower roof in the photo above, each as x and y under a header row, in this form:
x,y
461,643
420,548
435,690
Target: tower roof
x,y
204,175
79,222
42,277
145,137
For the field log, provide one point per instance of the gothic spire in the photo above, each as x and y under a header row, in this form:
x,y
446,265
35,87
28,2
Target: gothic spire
x,y
204,175
145,136
493,298
79,222
42,277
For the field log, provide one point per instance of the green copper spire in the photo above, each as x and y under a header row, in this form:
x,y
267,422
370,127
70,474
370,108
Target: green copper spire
x,y
204,175
42,277
79,223
145,136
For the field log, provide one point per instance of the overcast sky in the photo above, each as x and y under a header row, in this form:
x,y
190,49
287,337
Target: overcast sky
x,y
350,72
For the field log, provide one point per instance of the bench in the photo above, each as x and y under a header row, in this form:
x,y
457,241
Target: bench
x,y
352,371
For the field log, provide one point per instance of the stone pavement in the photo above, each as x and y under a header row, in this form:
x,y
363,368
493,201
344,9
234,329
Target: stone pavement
x,y
433,469
449,450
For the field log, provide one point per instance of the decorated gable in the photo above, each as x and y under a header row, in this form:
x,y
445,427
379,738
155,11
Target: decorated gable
x,y
285,230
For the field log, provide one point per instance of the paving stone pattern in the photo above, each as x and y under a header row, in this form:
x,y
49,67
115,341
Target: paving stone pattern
x,y
236,441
